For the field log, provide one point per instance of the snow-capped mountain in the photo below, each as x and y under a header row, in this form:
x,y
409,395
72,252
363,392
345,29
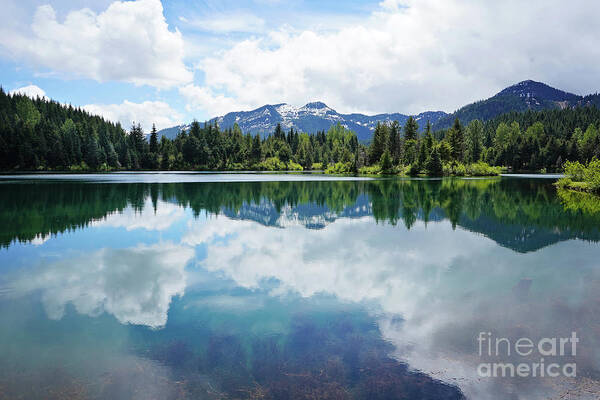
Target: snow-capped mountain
x,y
309,118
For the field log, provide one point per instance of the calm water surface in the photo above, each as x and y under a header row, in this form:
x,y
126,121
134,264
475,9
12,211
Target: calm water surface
x,y
176,286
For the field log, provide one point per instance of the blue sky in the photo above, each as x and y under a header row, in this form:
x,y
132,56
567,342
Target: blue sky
x,y
174,61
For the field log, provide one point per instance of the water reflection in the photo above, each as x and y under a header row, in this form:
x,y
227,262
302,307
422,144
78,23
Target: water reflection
x,y
295,289
135,285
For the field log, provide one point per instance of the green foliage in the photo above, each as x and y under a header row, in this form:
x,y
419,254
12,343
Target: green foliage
x,y
370,170
583,177
380,142
386,162
411,129
474,141
456,140
153,140
481,168
292,166
271,164
476,169
455,169
414,169
433,165
339,168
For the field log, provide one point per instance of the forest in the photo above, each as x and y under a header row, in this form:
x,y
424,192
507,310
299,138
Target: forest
x,y
44,135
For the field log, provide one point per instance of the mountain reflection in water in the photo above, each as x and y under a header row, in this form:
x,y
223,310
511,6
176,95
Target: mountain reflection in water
x,y
290,289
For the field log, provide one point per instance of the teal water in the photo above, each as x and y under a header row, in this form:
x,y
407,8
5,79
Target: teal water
x,y
176,286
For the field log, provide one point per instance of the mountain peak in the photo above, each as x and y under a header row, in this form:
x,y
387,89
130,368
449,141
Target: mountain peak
x,y
316,105
537,91
522,96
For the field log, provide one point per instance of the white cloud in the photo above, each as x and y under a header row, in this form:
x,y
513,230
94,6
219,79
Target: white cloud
x,y
410,56
203,98
32,91
226,22
135,285
145,113
129,41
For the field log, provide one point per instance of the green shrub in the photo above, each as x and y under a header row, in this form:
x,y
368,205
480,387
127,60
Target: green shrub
x,y
317,166
414,169
339,168
581,177
370,170
292,166
235,167
481,168
79,167
455,169
271,164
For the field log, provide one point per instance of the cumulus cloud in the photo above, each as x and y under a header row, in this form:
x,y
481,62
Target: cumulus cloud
x,y
32,91
226,22
409,56
130,41
135,285
145,113
203,98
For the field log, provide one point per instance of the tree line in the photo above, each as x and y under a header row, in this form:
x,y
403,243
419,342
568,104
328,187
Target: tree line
x,y
41,134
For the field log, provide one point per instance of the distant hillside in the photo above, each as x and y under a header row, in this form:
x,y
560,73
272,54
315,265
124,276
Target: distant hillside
x,y
310,118
526,95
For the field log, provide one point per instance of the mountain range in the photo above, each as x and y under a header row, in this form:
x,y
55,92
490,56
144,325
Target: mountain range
x,y
312,117
316,116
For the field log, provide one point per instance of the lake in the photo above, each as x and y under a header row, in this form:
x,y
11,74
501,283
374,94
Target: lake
x,y
177,286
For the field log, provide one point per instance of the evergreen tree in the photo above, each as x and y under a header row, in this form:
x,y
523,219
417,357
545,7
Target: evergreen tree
x,y
379,144
474,141
411,129
422,154
456,140
153,140
256,151
136,134
434,165
386,162
429,141
395,142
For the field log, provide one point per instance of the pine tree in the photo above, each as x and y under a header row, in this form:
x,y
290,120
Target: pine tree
x,y
428,137
395,142
434,165
379,144
256,151
457,141
153,140
411,129
474,141
279,134
422,154
386,162
137,138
